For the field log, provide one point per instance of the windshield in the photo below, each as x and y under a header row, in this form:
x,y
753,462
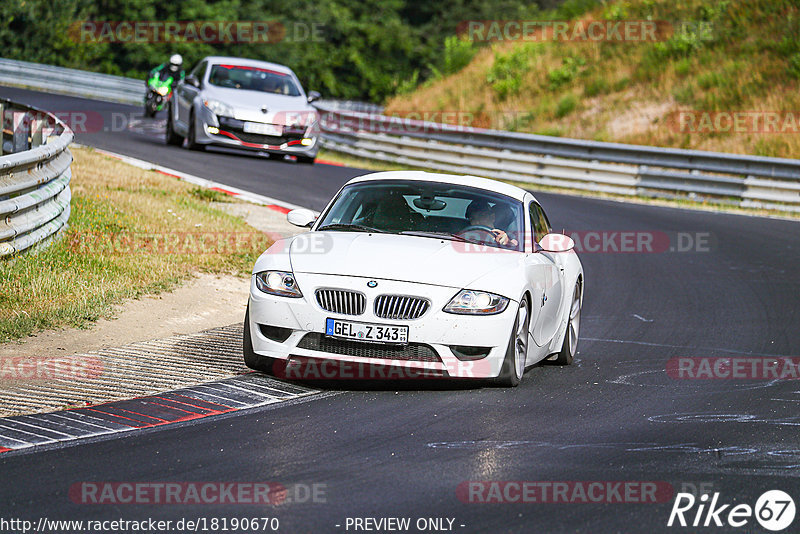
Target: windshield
x,y
428,209
253,79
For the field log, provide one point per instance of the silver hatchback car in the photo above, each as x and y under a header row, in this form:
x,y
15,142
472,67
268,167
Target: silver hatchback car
x,y
244,103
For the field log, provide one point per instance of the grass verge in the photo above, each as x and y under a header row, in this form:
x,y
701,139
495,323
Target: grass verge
x,y
131,233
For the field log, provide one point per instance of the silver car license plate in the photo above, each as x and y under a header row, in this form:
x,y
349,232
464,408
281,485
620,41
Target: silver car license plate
x,y
263,129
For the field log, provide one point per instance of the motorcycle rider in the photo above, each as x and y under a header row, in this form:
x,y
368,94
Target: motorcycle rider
x,y
160,83
173,69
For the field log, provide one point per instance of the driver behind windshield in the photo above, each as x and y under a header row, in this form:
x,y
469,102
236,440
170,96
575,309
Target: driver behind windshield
x,y
480,214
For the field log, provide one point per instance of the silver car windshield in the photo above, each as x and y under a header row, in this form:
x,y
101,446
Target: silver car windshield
x,y
253,79
428,209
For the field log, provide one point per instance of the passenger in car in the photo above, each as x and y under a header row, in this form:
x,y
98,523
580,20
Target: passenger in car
x,y
394,214
222,78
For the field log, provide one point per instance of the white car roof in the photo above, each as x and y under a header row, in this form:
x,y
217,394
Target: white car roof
x,y
469,181
227,60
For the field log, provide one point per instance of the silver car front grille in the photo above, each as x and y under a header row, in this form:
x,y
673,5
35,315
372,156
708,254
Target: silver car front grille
x,y
401,307
341,301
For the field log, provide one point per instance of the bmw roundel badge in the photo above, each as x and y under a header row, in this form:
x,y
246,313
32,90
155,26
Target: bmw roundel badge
x,y
372,283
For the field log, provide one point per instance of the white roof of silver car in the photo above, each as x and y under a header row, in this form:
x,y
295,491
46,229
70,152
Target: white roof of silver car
x,y
469,181
227,60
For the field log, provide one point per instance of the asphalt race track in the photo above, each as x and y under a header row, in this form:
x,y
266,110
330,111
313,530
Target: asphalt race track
x,y
615,415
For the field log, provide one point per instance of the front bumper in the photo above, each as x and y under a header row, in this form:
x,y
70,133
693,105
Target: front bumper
x,y
224,131
428,351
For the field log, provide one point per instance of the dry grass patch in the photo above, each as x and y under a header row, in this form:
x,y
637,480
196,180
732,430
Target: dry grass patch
x,y
131,233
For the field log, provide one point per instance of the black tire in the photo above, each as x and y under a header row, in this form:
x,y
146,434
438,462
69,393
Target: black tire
x,y
307,160
172,138
191,142
251,359
509,374
569,347
149,111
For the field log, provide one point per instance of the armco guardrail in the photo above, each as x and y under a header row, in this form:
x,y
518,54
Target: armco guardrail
x,y
747,181
71,81
34,177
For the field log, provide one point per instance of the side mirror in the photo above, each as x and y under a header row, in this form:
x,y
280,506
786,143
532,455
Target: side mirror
x,y
557,243
192,80
301,217
313,96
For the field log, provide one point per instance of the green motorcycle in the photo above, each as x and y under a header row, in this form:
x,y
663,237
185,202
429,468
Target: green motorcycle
x,y
159,91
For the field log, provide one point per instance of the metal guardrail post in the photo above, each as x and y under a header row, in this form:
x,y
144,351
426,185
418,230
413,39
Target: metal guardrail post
x,y
37,133
20,129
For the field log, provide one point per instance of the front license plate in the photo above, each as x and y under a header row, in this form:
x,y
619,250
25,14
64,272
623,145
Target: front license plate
x,y
263,129
366,332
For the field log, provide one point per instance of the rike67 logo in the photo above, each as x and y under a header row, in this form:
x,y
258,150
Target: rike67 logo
x,y
774,510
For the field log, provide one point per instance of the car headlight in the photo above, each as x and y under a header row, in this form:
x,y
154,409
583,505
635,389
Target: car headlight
x,y
278,283
313,124
301,121
163,91
469,302
218,108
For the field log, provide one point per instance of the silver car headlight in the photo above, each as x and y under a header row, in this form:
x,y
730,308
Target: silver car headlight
x,y
469,302
312,123
218,108
278,283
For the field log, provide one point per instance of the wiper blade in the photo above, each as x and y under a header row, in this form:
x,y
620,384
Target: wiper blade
x,y
437,235
341,226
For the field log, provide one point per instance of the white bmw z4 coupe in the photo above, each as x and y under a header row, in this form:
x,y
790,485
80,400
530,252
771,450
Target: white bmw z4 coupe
x,y
428,275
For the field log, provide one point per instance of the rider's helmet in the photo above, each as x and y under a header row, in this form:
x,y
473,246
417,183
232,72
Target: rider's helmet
x,y
175,62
